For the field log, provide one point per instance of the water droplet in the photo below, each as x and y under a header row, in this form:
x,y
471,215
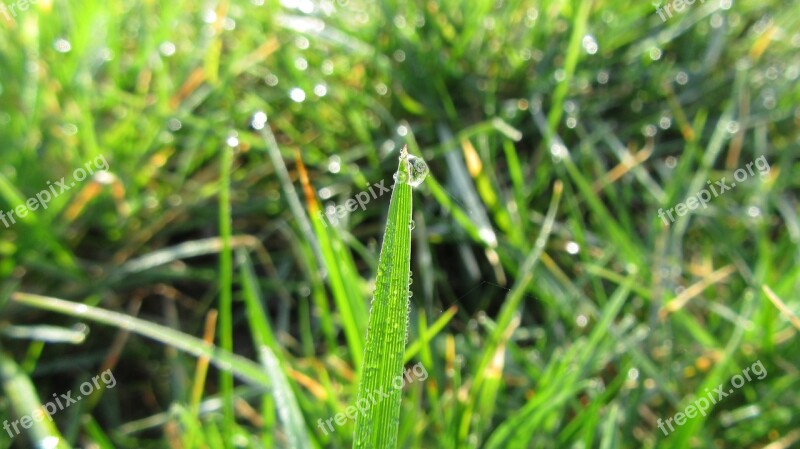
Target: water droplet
x,y
301,42
572,247
590,44
412,225
602,76
49,443
233,139
410,293
259,120
334,164
655,54
62,45
297,95
174,124
167,48
418,170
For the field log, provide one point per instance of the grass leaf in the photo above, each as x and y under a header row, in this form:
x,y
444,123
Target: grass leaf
x,y
377,423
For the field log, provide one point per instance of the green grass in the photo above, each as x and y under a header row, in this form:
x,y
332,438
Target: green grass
x,y
551,306
376,424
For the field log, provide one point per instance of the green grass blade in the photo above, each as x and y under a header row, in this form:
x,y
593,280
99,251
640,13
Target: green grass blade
x,y
286,402
378,425
226,287
22,396
241,367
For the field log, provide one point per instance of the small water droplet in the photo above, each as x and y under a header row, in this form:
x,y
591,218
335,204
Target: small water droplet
x,y
49,443
590,44
572,247
297,95
412,225
259,120
233,139
62,45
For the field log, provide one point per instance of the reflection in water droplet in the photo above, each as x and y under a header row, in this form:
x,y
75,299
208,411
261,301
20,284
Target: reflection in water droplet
x,y
418,170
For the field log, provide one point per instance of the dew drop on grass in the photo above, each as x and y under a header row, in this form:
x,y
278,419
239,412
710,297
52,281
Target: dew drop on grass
x,y
418,170
412,225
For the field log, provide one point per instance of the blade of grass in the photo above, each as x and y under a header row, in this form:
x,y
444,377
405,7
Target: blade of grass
x,y
286,402
245,369
21,393
226,287
377,426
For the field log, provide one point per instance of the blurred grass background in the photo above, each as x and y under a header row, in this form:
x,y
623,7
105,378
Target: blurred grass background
x,y
228,126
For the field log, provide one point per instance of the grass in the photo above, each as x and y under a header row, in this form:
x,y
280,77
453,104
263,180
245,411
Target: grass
x,y
376,424
551,307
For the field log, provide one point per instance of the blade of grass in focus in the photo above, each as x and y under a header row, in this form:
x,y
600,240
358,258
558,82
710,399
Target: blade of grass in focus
x,y
377,425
